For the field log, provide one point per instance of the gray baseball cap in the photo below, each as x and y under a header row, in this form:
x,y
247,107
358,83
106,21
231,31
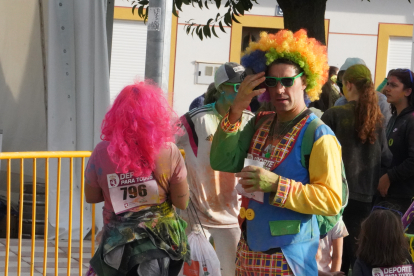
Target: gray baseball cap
x,y
229,72
350,62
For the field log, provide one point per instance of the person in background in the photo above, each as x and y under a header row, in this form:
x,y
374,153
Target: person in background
x,y
382,85
348,63
330,92
140,174
213,193
197,102
397,185
254,105
382,100
329,256
381,242
358,127
212,94
334,78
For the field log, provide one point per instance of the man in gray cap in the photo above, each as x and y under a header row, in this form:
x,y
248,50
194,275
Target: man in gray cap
x,y
382,100
214,200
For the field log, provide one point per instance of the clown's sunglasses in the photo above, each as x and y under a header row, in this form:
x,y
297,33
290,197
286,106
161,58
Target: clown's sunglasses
x,y
236,86
285,81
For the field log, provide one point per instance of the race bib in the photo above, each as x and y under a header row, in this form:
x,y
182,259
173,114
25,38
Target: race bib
x,y
401,270
127,191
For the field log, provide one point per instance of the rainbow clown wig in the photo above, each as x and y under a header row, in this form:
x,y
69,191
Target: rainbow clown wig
x,y
308,53
139,123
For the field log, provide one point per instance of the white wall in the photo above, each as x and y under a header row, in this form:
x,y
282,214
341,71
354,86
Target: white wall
x,y
123,3
353,32
342,46
353,28
191,49
362,17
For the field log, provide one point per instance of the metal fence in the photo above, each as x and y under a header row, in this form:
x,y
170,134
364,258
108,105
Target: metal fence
x,y
34,156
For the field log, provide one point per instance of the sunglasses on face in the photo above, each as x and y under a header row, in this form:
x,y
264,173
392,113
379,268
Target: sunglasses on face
x,y
385,208
285,81
236,86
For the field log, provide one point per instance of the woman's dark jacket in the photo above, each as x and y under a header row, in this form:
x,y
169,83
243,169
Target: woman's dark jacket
x,y
400,137
364,163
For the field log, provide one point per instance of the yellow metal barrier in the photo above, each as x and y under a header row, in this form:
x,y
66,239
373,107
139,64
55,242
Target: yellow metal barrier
x,y
46,155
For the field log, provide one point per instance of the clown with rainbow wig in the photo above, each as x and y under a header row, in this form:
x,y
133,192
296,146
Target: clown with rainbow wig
x,y
282,189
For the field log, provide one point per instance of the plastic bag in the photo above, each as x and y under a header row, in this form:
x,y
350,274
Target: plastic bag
x,y
204,260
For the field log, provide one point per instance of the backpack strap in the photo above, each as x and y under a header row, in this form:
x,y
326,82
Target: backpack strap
x,y
325,223
306,149
308,140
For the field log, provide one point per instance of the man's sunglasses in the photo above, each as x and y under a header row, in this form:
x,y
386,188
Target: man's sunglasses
x,y
285,81
236,86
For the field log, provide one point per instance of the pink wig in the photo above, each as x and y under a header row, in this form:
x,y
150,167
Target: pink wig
x,y
138,124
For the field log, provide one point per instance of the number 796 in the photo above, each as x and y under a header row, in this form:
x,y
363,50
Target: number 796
x,y
133,192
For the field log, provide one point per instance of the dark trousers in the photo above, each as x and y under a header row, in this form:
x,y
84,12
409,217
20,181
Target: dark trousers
x,y
173,269
355,212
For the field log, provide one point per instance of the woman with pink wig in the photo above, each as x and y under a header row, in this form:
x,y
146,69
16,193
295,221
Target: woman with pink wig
x,y
139,174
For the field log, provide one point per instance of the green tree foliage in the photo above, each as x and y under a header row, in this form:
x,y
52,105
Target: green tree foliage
x,y
292,9
234,8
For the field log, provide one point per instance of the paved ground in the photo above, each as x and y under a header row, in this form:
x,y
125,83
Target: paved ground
x,y
38,260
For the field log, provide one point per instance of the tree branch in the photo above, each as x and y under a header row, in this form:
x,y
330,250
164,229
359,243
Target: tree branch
x,y
234,8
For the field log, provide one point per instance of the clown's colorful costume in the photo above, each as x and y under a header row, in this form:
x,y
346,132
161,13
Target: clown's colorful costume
x,y
286,219
281,235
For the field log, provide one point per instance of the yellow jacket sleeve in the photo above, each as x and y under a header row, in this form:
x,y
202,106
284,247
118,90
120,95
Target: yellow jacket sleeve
x,y
323,195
